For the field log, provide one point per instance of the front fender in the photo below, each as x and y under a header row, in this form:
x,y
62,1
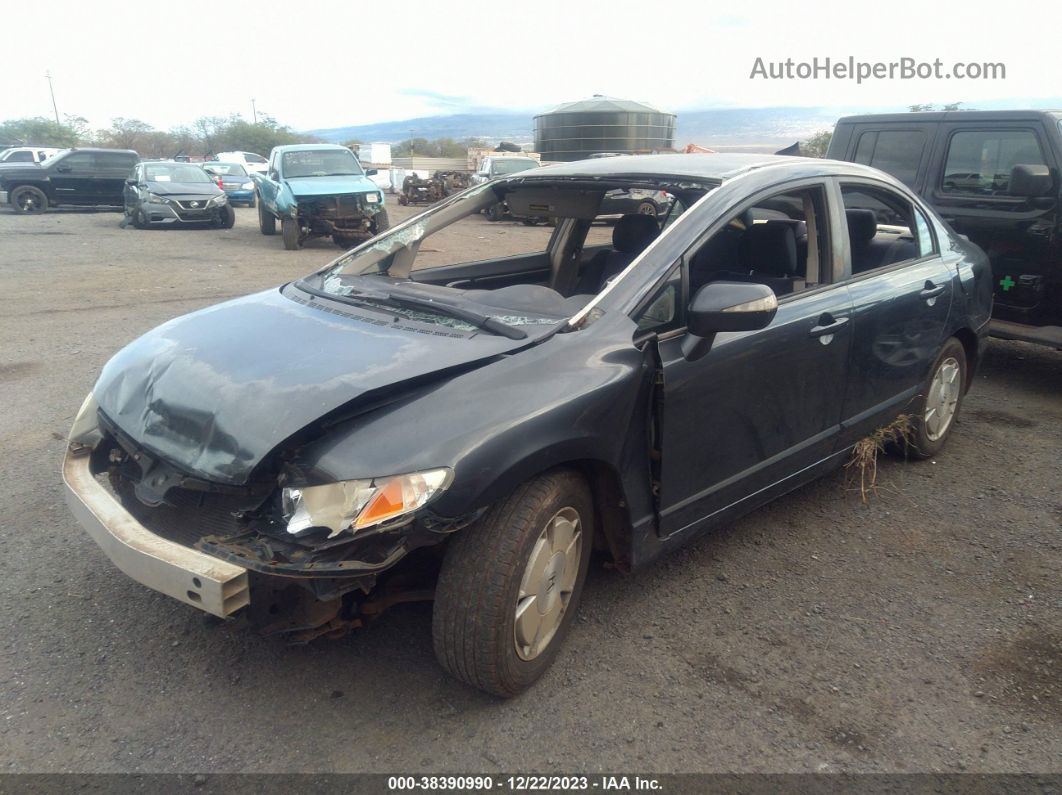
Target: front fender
x,y
568,399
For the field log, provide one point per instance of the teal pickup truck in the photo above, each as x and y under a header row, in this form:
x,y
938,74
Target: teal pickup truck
x,y
318,190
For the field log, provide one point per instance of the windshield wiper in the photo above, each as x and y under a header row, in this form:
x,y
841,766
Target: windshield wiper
x,y
473,318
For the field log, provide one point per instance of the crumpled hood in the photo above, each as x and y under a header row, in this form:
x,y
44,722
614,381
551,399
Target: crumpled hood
x,y
329,186
213,392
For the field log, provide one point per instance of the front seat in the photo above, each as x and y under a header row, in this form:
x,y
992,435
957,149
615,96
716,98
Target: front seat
x,y
769,251
630,237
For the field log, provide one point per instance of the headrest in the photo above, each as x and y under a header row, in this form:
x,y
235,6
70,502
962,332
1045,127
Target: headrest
x,y
634,232
862,225
770,248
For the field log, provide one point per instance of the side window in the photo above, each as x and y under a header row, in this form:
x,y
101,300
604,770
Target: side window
x,y
116,161
979,161
926,246
250,157
79,161
782,242
896,152
883,228
20,157
666,309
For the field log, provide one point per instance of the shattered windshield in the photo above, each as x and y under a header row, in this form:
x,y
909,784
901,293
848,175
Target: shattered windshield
x,y
320,163
509,255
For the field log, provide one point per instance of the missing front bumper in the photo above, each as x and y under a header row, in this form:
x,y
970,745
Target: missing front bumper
x,y
190,576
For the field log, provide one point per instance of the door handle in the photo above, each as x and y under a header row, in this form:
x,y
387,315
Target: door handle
x,y
932,291
828,324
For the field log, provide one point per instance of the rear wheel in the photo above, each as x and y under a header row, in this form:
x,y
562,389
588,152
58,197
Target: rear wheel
x,y
510,584
28,199
289,228
496,212
267,222
647,208
939,403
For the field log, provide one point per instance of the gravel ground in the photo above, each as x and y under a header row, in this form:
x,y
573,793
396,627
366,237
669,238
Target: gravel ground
x,y
919,632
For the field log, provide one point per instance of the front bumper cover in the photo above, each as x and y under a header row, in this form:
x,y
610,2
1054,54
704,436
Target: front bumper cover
x,y
190,576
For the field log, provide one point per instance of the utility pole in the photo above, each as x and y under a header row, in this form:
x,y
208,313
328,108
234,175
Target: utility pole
x,y
254,111
411,142
51,91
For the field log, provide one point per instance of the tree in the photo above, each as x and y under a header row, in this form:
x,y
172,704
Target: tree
x,y
353,143
125,133
919,108
39,131
817,145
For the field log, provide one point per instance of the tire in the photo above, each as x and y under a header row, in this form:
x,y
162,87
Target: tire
x,y
267,222
382,222
140,221
28,200
345,243
227,217
941,395
289,228
496,212
531,221
252,203
475,631
647,208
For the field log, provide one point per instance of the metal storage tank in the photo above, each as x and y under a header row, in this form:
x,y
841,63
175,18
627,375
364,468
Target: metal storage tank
x,y
576,130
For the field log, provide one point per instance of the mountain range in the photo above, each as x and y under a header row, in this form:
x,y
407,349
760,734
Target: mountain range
x,y
713,127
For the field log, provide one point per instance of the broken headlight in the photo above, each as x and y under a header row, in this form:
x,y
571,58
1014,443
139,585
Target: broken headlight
x,y
357,504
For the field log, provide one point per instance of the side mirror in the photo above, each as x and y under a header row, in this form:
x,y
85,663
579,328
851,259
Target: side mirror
x,y
273,175
372,172
726,306
1030,181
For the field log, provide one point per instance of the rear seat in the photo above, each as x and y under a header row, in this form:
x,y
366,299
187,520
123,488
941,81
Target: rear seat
x,y
873,249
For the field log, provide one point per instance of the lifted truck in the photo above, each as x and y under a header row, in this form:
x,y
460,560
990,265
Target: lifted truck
x,y
318,190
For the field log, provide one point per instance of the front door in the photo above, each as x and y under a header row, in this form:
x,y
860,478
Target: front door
x,y
760,406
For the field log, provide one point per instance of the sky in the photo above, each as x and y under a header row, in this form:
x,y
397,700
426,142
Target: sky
x,y
331,64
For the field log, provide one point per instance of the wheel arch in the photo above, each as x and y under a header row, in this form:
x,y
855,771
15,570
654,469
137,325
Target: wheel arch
x,y
972,345
612,526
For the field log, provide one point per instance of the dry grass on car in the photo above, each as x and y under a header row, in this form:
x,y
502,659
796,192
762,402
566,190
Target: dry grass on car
x,y
864,460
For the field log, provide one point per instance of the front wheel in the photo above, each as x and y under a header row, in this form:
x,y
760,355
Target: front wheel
x,y
27,200
510,584
938,404
496,212
267,222
647,208
227,217
289,228
381,223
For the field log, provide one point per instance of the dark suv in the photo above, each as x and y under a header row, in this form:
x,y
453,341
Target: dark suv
x,y
992,175
86,177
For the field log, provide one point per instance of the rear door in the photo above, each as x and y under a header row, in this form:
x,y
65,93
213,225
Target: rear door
x,y
971,192
112,170
901,290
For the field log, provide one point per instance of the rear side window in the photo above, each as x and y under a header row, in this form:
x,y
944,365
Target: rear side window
x,y
115,160
884,228
979,161
253,158
896,152
80,160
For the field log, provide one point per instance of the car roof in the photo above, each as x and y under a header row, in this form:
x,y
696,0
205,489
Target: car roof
x,y
698,167
103,149
952,115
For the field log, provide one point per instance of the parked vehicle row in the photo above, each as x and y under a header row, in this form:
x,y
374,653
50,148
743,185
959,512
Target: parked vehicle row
x,y
471,433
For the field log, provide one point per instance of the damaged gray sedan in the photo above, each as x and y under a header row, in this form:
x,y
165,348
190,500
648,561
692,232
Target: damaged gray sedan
x,y
392,429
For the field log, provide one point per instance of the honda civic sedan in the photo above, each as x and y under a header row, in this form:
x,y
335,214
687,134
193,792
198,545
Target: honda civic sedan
x,y
169,193
405,425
